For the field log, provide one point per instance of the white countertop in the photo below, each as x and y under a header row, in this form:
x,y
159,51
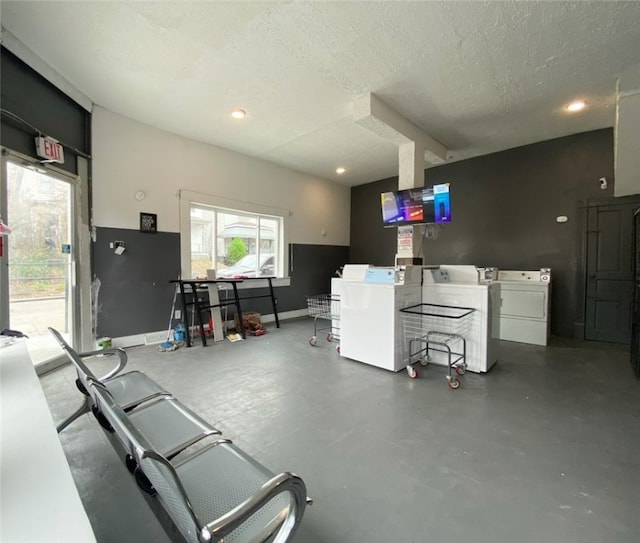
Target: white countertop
x,y
39,501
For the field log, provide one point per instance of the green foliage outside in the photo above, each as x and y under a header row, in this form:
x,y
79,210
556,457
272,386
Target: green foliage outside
x,y
39,217
237,250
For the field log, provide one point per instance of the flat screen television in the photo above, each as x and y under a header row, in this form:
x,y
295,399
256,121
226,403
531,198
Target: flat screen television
x,y
421,205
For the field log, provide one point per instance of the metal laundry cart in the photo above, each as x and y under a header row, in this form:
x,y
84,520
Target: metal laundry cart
x,y
325,307
430,328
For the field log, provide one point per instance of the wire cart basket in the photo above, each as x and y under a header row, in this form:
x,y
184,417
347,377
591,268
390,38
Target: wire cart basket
x,y
433,328
325,307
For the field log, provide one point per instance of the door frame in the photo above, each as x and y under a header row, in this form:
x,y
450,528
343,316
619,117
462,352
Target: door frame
x,y
81,327
634,358
579,329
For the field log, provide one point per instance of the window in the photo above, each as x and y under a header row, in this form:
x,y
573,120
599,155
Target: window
x,y
235,243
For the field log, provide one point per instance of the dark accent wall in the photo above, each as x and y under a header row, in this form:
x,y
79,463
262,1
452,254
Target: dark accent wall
x,y
504,207
311,268
31,97
135,294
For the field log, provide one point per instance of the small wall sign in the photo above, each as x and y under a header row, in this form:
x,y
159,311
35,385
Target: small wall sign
x,y
148,222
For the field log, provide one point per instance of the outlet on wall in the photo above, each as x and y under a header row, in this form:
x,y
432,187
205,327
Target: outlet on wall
x,y
177,314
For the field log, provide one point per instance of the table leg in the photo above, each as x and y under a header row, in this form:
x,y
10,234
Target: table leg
x,y
274,303
185,317
239,310
198,311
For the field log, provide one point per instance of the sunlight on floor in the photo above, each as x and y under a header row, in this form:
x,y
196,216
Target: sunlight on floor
x,y
32,317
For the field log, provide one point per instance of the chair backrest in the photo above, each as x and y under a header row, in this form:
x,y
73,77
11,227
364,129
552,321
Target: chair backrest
x,y
157,469
85,375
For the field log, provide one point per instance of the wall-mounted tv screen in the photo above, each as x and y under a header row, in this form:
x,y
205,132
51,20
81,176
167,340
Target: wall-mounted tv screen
x,y
416,206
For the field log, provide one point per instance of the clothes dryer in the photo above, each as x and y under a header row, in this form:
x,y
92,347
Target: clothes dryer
x,y
524,307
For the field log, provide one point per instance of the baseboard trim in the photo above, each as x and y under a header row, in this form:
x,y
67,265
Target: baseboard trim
x,y
127,341
153,338
285,315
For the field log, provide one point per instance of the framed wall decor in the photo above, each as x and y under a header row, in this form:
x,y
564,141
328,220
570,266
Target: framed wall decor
x,y
148,222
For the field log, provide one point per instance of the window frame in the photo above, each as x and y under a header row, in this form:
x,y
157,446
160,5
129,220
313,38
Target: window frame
x,y
191,198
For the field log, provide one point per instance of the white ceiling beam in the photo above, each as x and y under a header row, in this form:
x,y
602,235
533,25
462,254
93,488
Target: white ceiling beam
x,y
410,165
415,149
372,113
627,145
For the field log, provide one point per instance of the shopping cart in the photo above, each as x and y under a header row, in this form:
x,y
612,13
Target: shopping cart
x,y
325,307
432,328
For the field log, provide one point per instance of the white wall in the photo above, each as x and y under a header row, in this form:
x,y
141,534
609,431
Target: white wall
x,y
627,144
627,147
129,156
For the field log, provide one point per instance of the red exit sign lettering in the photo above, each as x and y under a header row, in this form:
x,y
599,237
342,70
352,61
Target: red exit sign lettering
x,y
50,150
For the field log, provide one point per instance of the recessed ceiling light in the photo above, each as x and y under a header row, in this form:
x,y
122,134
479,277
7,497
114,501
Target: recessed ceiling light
x,y
340,170
578,105
238,113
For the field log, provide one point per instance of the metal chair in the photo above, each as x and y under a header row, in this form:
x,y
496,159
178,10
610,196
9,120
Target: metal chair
x,y
217,493
128,389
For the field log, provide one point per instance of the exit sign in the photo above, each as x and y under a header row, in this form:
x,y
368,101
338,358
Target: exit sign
x,y
50,150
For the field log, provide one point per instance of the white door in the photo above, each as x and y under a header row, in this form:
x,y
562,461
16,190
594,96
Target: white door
x,y
37,282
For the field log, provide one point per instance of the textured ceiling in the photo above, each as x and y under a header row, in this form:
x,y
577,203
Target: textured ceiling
x,y
477,76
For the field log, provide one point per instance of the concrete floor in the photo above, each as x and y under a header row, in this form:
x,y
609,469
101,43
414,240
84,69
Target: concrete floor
x,y
545,448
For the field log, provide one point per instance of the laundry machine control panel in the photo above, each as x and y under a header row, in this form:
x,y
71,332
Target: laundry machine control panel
x,y
436,275
543,275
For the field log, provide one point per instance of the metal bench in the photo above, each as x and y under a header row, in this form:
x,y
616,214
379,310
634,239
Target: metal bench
x,y
129,389
214,493
202,488
145,401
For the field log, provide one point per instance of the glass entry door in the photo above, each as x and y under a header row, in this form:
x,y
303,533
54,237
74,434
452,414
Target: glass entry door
x,y
38,280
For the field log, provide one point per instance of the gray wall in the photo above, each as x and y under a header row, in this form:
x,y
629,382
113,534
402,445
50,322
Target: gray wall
x,y
135,294
504,207
311,268
31,97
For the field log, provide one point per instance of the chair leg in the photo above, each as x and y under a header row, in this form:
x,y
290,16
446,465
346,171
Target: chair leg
x,y
82,410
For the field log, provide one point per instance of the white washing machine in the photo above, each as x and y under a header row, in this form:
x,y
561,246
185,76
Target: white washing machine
x,y
525,301
458,286
370,325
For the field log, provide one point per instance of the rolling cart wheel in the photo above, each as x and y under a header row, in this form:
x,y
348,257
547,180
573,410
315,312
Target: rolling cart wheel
x,y
413,373
454,383
329,337
461,370
338,348
312,341
424,362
